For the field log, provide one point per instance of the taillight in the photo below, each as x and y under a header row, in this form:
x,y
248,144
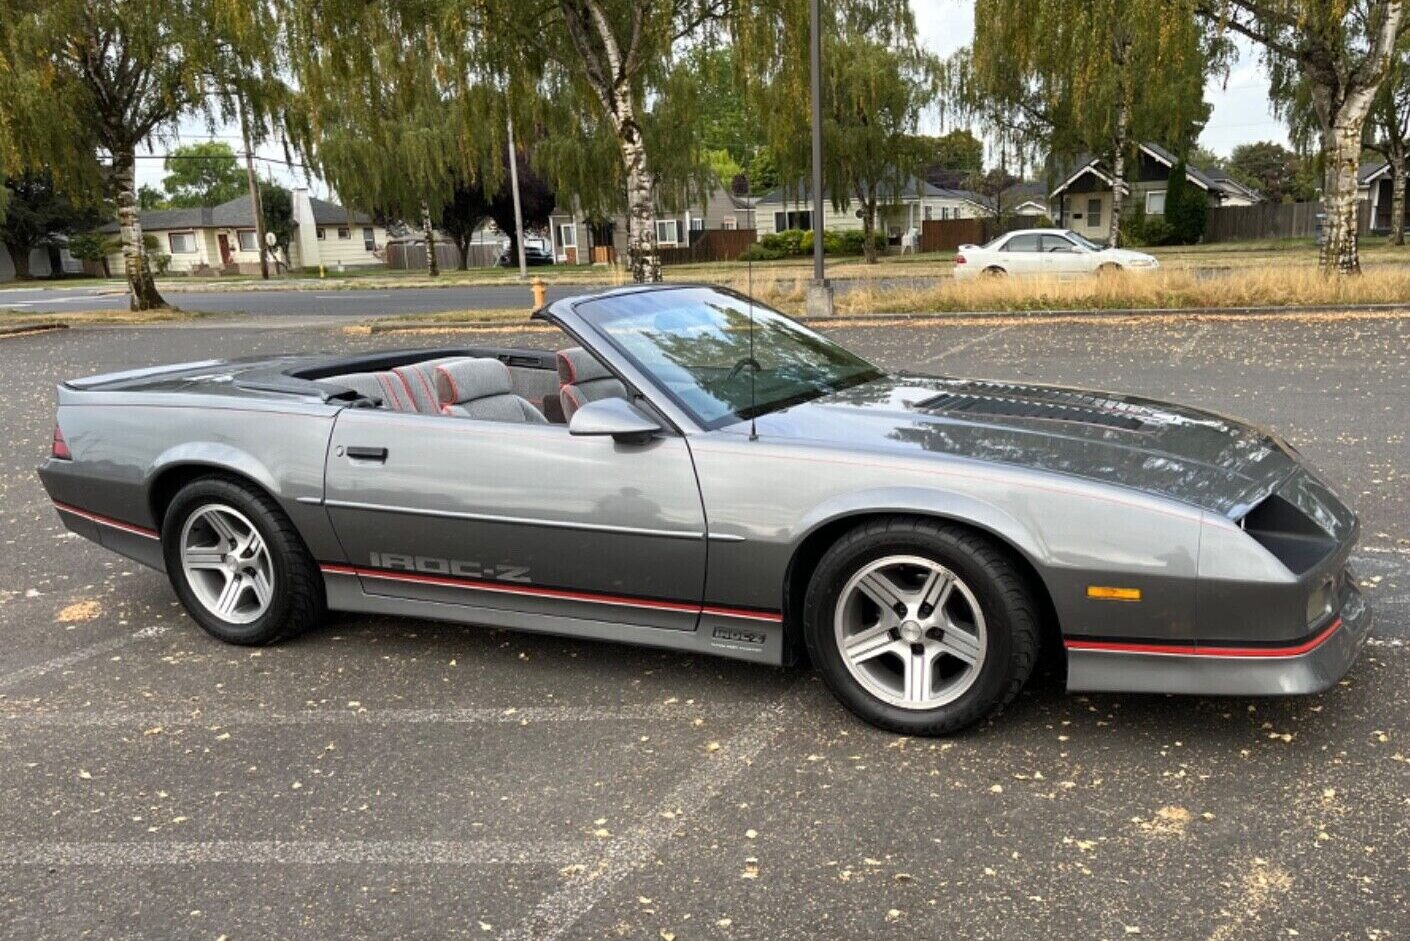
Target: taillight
x,y
960,260
60,448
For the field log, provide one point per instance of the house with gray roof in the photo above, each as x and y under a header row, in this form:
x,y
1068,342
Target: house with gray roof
x,y
222,239
1082,200
914,202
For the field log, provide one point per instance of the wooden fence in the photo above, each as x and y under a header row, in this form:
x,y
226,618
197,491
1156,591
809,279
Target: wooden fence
x,y
1273,221
711,245
412,256
946,235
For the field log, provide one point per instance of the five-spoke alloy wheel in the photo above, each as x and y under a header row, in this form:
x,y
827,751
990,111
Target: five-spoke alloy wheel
x,y
920,626
227,564
238,564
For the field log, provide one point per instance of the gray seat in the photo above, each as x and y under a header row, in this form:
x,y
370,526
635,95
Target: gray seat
x,y
385,387
584,380
482,388
419,382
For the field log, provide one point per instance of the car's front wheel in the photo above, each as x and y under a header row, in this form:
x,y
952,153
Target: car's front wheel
x,y
919,626
238,565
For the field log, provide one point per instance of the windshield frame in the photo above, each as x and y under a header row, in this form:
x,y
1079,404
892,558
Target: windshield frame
x,y
625,358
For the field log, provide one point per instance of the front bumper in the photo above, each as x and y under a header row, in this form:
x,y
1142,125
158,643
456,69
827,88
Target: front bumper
x,y
1310,666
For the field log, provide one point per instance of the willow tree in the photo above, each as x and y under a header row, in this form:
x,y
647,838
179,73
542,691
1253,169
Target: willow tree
x,y
88,82
1326,58
1088,76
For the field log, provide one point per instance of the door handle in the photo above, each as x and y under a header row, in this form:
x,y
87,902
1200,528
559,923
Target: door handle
x,y
376,455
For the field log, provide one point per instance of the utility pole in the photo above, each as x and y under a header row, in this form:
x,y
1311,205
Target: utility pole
x,y
255,206
518,213
819,299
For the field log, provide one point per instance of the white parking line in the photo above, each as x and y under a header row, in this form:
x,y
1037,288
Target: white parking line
x,y
504,715
294,852
972,341
559,912
78,656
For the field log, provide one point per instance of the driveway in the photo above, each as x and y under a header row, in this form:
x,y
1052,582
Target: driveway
x,y
385,778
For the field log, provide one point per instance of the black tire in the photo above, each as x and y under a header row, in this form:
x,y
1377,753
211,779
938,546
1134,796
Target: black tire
x,y
297,600
1109,269
994,271
1004,597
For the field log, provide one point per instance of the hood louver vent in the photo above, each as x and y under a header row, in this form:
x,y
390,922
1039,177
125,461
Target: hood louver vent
x,y
999,400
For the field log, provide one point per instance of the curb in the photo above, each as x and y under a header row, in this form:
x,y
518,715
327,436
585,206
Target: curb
x,y
19,330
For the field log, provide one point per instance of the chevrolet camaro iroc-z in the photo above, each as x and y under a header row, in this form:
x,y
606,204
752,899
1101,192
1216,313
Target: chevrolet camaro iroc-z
x,y
692,470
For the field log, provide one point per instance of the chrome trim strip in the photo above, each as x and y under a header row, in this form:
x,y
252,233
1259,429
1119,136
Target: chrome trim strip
x,y
311,501
516,520
724,537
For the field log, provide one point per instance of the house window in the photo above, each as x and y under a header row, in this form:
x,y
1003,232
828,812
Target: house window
x,y
1155,203
321,233
784,221
344,232
182,243
568,234
248,242
697,224
944,212
928,212
369,239
729,223
667,231
1094,213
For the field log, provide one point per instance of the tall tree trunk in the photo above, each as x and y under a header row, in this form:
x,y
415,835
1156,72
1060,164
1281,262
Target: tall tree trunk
x,y
463,243
868,232
142,290
609,69
1341,151
19,255
643,255
1397,197
1118,176
433,265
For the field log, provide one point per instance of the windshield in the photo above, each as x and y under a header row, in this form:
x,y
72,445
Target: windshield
x,y
1083,241
694,342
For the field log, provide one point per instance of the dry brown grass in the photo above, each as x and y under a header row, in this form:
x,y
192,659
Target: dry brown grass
x,y
120,318
1161,290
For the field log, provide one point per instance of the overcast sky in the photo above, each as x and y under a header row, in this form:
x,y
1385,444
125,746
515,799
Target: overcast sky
x,y
1240,101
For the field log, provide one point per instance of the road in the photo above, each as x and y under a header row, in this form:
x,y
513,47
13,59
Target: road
x,y
384,778
308,303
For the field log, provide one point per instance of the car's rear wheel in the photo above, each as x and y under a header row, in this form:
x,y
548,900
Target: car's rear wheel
x,y
994,271
919,626
238,565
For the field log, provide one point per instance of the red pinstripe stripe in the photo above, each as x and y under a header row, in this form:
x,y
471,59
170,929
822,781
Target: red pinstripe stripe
x,y
559,593
1185,650
108,521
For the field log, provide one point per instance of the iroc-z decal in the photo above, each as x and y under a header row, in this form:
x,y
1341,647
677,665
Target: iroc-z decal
x,y
735,635
455,568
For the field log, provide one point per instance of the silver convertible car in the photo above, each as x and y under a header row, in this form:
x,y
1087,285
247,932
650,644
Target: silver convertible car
x,y
692,470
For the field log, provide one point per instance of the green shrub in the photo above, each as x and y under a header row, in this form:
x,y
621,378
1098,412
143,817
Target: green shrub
x,y
161,262
1186,207
760,252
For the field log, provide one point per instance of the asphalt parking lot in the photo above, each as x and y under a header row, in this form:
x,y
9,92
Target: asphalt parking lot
x,y
387,778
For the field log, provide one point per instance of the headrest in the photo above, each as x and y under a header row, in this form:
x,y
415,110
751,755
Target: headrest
x,y
466,380
576,364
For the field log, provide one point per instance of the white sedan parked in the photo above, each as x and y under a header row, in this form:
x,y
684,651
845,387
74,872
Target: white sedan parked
x,y
1054,252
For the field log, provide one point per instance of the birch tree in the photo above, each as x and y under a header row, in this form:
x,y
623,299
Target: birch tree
x,y
89,82
1388,134
1329,58
1087,76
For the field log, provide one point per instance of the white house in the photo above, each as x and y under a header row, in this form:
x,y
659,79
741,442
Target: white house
x,y
222,239
917,201
573,237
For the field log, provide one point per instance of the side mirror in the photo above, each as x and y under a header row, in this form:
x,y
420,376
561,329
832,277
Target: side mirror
x,y
616,417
